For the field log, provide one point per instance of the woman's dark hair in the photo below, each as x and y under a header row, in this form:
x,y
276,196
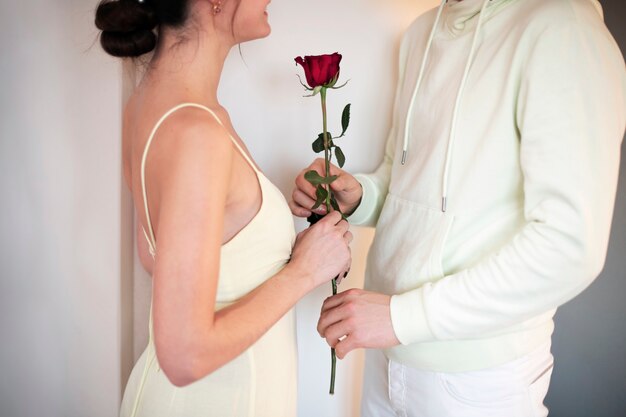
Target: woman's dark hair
x,y
128,26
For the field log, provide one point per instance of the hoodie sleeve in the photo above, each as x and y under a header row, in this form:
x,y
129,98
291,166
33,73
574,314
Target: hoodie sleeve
x,y
571,112
376,185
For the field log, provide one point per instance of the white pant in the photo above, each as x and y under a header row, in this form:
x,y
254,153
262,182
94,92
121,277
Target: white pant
x,y
515,389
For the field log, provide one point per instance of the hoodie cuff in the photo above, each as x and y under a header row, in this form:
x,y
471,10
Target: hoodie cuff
x,y
408,318
367,208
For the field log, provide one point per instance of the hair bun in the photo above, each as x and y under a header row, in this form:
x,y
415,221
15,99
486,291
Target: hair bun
x,y
126,27
125,16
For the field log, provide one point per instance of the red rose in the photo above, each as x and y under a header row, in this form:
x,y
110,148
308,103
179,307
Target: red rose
x,y
321,70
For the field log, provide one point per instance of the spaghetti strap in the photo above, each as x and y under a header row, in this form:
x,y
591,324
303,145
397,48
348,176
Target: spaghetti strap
x,y
151,238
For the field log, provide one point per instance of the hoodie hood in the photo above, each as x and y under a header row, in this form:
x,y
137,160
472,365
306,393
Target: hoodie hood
x,y
458,18
461,17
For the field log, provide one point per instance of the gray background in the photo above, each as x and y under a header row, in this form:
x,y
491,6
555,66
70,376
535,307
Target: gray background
x,y
589,344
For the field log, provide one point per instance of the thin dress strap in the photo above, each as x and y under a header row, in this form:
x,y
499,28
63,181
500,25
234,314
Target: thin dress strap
x,y
151,239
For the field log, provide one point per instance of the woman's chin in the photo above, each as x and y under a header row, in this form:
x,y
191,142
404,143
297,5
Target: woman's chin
x,y
268,31
259,34
267,28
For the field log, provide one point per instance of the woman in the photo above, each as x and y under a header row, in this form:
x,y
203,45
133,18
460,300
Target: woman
x,y
222,333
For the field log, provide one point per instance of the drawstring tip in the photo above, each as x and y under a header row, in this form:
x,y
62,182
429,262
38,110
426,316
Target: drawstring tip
x,y
403,157
444,204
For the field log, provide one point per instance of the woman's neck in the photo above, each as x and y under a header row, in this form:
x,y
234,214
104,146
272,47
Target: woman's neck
x,y
191,65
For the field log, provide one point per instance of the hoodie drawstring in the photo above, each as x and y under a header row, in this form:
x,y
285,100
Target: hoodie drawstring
x,y
452,136
419,80
451,139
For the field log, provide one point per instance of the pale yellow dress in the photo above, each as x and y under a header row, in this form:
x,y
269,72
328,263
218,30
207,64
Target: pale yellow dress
x,y
262,381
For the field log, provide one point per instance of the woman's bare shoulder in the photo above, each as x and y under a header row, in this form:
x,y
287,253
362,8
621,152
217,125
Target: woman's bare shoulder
x,y
191,133
190,151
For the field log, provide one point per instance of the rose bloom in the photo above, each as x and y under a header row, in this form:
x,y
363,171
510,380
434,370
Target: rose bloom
x,y
320,70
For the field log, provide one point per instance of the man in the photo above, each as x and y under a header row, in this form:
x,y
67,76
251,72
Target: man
x,y
492,206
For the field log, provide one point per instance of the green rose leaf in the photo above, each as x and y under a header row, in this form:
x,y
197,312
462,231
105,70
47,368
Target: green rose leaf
x,y
321,194
335,205
345,119
316,179
318,145
341,158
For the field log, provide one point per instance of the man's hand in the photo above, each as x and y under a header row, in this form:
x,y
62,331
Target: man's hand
x,y
346,189
357,319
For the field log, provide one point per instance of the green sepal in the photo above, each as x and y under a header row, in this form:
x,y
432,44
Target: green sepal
x,y
341,158
316,179
332,82
318,145
316,91
303,84
341,86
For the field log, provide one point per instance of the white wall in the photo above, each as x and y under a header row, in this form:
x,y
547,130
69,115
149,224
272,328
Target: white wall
x,y
62,228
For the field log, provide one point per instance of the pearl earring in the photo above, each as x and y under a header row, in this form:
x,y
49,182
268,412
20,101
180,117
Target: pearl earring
x,y
217,7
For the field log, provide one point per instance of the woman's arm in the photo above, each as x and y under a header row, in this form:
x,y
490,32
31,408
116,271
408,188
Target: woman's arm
x,y
190,180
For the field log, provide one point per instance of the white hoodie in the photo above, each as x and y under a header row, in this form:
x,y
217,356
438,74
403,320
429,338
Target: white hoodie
x,y
502,210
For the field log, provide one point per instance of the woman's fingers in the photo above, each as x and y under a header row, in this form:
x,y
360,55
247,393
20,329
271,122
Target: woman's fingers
x,y
332,219
347,237
329,240
343,275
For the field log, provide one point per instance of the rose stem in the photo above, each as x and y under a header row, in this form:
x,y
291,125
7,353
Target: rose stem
x,y
333,357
